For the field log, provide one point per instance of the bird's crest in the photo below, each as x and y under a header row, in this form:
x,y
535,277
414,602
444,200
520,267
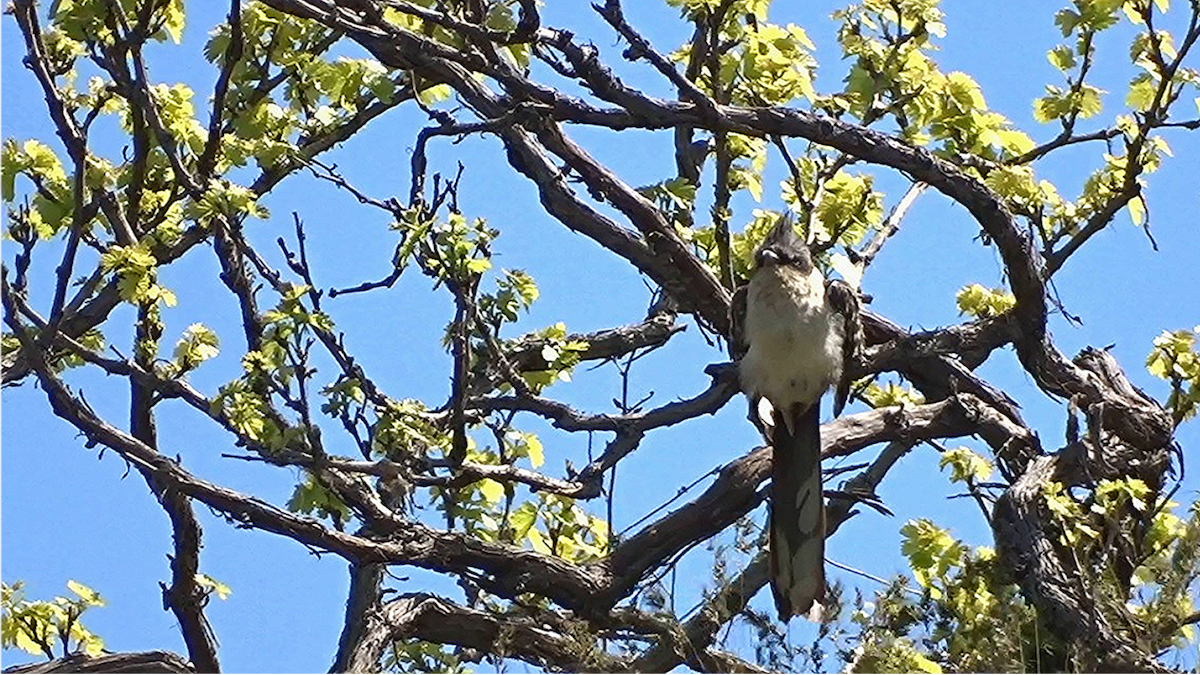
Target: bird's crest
x,y
783,246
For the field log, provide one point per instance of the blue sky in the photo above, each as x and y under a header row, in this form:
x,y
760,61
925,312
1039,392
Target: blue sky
x,y
69,515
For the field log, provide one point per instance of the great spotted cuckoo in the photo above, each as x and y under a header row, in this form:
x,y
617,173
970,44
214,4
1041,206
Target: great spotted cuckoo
x,y
795,332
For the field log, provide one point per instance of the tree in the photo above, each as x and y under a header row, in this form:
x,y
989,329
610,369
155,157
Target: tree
x,y
1094,564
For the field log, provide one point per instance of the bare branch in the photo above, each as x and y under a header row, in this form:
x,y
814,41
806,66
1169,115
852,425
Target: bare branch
x,y
427,617
360,646
892,224
124,662
525,354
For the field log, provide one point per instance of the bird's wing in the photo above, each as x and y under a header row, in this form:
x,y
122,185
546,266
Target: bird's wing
x,y
843,301
797,546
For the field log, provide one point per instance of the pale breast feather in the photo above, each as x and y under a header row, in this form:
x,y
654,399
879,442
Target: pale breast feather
x,y
795,353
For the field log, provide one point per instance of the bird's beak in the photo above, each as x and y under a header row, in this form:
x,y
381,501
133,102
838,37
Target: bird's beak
x,y
767,257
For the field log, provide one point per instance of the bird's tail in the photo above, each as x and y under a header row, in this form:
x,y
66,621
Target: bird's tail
x,y
797,546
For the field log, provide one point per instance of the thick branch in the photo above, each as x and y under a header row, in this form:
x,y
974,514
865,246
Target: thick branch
x,y
427,617
510,571
735,491
676,269
1048,572
185,596
360,646
126,662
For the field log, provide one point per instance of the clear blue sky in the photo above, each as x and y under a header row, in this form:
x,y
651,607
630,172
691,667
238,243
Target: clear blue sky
x,y
69,515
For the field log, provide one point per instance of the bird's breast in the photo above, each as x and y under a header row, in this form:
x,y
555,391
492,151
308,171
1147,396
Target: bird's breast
x,y
794,352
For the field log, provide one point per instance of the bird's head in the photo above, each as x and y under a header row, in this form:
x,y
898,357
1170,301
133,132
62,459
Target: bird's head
x,y
783,247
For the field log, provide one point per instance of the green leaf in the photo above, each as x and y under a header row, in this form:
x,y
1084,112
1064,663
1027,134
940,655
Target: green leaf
x,y
1137,210
88,642
741,177
311,497
1051,106
522,519
1066,20
539,542
892,394
173,20
981,302
432,95
523,284
1061,57
89,596
923,663
42,159
1098,14
225,198
197,345
965,465
529,445
479,265
931,551
178,115
1131,13
849,206
1175,360
39,162
492,491
1113,493
204,581
537,455
9,168
1142,91
1090,103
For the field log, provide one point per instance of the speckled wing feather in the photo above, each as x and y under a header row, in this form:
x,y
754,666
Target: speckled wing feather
x,y
843,301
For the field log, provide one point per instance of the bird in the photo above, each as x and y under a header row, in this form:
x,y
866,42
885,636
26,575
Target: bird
x,y
794,334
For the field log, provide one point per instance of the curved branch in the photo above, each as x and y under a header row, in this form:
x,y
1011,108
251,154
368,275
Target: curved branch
x,y
427,617
125,662
510,571
692,283
735,492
